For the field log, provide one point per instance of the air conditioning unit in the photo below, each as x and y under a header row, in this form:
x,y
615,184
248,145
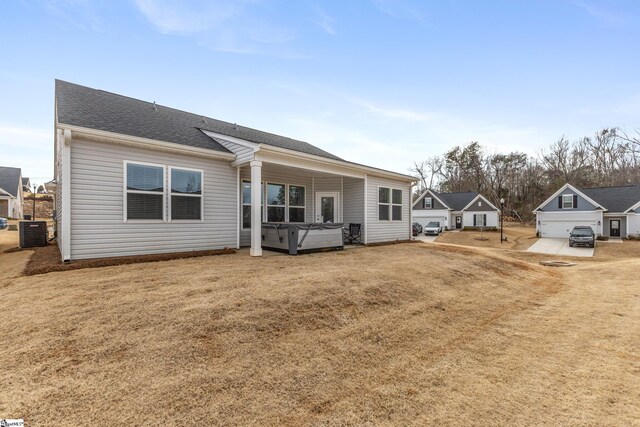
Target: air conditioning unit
x,y
33,234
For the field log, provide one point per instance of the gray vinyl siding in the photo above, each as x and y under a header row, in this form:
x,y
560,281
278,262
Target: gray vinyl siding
x,y
583,204
386,231
243,153
353,207
284,176
606,229
481,205
97,192
419,206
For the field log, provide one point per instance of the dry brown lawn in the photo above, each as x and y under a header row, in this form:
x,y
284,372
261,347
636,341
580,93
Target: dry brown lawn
x,y
411,334
519,237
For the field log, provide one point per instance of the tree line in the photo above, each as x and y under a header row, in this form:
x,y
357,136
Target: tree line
x,y
608,158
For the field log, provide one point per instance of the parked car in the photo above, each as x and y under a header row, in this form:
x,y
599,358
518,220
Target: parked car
x,y
417,228
3,223
433,228
582,235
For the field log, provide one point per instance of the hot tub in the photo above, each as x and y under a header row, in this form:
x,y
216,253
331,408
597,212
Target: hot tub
x,y
301,237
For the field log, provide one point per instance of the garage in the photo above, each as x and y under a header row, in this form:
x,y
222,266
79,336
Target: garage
x,y
559,225
425,217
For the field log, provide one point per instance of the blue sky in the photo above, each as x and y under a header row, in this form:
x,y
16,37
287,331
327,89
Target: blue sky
x,y
379,82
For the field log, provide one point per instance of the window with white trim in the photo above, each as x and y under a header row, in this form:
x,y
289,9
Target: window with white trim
x,y
480,220
567,201
396,205
384,203
296,203
276,202
428,202
389,204
246,204
144,191
186,194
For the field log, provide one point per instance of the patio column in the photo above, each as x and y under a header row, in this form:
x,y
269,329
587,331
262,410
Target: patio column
x,y
256,201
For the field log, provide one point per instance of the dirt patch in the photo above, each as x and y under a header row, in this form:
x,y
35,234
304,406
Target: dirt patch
x,y
518,236
47,259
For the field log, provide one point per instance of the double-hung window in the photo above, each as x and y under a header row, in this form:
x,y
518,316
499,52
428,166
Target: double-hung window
x,y
396,205
186,194
389,204
296,203
276,201
384,203
428,202
145,191
246,204
479,220
567,201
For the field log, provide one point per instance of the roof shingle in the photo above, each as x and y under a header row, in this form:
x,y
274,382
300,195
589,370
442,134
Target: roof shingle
x,y
10,180
96,109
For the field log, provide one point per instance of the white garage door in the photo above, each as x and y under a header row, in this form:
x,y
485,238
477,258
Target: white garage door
x,y
555,227
426,220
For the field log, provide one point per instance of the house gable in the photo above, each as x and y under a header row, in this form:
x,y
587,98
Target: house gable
x,y
436,203
480,204
580,202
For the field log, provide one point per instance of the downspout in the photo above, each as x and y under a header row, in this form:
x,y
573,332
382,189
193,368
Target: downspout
x,y
366,209
238,207
66,195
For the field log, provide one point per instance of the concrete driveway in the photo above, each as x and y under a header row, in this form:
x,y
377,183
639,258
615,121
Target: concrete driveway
x,y
551,246
428,239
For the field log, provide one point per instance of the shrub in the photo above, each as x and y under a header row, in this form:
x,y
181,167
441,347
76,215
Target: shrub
x,y
478,228
602,238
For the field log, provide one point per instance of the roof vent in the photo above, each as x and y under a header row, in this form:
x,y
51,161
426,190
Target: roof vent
x,y
154,106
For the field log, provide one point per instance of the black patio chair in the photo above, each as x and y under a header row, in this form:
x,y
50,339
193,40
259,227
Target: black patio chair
x,y
353,235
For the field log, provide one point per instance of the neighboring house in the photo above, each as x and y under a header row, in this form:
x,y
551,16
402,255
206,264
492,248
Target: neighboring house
x,y
137,178
609,211
26,185
455,210
50,186
11,193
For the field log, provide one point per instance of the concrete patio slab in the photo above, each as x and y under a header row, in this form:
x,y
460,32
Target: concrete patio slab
x,y
559,247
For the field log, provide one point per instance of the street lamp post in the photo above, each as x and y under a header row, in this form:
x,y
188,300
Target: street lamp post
x,y
501,219
33,217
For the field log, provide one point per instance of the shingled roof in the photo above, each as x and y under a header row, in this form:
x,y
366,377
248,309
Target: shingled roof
x,y
457,201
614,199
10,180
100,110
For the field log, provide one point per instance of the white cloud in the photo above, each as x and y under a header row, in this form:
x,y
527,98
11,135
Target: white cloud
x,y
222,25
324,21
402,9
605,15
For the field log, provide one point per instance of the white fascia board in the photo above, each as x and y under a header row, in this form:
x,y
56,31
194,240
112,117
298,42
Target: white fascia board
x,y
633,208
233,139
358,170
146,143
480,196
564,187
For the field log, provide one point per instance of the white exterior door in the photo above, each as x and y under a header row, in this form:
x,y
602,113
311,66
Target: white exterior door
x,y
328,207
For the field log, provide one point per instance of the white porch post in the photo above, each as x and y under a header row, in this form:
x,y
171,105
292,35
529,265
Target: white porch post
x,y
256,199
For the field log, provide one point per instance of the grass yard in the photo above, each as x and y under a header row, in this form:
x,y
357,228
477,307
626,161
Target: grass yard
x,y
519,237
406,334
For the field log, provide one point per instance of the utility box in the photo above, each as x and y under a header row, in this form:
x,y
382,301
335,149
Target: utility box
x,y
33,234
